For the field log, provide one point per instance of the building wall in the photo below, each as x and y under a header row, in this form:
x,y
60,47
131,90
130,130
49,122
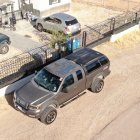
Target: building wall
x,y
16,4
44,5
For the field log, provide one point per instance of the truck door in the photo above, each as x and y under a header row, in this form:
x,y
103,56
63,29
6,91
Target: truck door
x,y
69,85
74,83
80,81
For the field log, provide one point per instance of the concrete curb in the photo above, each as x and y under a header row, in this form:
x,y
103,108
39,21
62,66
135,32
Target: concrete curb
x,y
115,37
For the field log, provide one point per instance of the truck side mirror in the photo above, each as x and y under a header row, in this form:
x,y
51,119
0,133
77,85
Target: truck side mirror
x,y
65,90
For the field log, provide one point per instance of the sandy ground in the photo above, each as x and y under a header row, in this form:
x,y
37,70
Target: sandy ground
x,y
121,5
90,14
88,117
12,52
124,127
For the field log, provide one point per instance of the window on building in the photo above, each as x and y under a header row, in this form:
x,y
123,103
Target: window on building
x,y
54,1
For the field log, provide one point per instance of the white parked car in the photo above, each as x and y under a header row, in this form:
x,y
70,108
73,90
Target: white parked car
x,y
59,22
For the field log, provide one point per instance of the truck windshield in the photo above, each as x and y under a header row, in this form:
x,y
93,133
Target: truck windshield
x,y
47,80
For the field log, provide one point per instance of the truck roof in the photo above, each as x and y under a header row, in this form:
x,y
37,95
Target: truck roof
x,y
62,67
72,62
83,56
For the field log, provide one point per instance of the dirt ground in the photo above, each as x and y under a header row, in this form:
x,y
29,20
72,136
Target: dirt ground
x,y
87,117
90,14
11,53
121,5
121,128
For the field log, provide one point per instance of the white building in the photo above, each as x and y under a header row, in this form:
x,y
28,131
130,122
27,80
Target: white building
x,y
45,6
51,5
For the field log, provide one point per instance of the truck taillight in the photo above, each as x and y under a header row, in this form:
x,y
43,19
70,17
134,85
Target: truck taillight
x,y
67,30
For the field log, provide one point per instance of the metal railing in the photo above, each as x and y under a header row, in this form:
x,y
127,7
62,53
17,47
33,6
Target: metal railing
x,y
23,64
16,67
106,28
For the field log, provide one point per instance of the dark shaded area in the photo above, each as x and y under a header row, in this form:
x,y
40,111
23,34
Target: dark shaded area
x,y
9,99
73,99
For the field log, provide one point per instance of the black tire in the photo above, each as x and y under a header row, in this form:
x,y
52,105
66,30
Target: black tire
x,y
97,85
4,48
49,115
40,27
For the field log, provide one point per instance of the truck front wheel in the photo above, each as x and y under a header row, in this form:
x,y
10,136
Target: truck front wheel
x,y
97,85
49,115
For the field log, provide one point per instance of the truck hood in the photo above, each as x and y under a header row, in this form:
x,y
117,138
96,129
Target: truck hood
x,y
32,93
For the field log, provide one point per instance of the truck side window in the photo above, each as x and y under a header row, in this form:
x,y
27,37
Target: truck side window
x,y
68,81
93,66
79,74
103,60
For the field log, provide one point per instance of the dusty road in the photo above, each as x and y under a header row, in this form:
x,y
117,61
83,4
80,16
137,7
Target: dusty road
x,y
87,117
124,127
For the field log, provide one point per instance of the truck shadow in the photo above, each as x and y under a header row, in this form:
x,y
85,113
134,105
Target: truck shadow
x,y
9,99
71,100
10,89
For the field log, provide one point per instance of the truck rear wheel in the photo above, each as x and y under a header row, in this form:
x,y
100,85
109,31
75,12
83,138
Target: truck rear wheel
x,y
49,115
97,85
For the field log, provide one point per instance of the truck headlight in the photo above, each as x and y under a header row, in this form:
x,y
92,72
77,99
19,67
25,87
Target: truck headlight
x,y
32,107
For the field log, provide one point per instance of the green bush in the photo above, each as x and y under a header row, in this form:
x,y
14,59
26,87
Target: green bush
x,y
58,37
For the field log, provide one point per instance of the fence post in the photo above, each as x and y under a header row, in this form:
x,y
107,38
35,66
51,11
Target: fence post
x,y
112,25
136,18
84,37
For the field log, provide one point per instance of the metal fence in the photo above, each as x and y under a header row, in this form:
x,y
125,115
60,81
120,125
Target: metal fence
x,y
26,63
18,66
106,28
6,16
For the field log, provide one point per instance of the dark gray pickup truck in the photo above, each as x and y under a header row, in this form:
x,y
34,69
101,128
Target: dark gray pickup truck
x,y
4,43
60,82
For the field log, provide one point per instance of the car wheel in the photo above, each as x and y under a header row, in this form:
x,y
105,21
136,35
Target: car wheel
x,y
4,48
97,85
49,115
40,27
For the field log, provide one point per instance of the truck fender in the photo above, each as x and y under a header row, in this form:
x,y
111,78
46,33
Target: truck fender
x,y
52,103
100,76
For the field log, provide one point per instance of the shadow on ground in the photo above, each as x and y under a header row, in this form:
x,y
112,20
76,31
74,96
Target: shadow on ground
x,y
9,99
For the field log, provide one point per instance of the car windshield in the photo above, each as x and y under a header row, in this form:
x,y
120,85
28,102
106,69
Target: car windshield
x,y
48,80
72,22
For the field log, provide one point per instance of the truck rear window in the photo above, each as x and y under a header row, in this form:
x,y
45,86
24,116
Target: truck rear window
x,y
103,60
93,66
72,22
